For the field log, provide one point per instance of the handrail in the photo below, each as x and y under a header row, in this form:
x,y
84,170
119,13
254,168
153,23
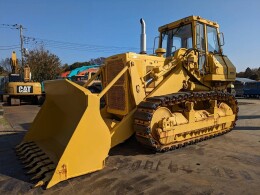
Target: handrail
x,y
92,78
113,81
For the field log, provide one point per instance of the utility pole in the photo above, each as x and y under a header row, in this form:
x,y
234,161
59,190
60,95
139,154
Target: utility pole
x,y
21,39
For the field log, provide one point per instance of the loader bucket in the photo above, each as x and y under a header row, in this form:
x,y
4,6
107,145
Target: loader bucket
x,y
68,137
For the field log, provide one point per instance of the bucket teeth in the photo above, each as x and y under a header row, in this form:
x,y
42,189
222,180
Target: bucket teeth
x,y
39,165
23,146
27,149
46,178
30,152
43,170
34,155
19,145
36,160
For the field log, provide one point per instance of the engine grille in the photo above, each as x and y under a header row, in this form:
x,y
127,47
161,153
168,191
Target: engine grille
x,y
116,97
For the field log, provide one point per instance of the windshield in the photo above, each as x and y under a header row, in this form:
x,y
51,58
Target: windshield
x,y
212,34
180,37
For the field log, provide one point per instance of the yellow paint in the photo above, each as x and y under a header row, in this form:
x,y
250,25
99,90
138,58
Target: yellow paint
x,y
12,88
70,130
77,136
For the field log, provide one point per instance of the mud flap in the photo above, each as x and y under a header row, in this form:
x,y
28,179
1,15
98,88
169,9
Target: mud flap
x,y
68,137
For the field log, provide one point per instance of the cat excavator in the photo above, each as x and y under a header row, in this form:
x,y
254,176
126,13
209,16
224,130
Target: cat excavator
x,y
175,97
21,87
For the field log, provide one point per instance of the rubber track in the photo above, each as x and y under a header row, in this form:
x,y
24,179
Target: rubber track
x,y
145,110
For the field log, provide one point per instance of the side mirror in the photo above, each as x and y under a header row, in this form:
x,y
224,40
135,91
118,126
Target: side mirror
x,y
221,39
154,43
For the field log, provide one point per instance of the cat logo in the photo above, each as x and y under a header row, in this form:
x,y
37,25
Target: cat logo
x,y
24,89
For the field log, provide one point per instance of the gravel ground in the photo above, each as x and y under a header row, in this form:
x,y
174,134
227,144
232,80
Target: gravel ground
x,y
228,164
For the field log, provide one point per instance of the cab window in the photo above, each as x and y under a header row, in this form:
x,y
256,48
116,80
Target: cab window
x,y
213,45
179,37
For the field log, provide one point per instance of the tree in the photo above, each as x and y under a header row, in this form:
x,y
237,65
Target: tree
x,y
43,64
98,61
248,72
78,64
254,77
253,74
5,66
65,67
241,74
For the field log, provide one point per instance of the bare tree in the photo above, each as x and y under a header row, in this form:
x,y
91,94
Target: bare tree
x,y
5,66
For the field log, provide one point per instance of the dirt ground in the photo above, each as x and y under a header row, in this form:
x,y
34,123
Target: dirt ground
x,y
228,164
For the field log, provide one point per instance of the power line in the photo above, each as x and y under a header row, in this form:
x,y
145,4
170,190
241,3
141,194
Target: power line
x,y
63,45
46,41
9,45
6,27
77,46
20,28
9,25
11,48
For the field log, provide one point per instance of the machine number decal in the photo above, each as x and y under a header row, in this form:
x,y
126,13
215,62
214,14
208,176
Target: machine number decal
x,y
24,89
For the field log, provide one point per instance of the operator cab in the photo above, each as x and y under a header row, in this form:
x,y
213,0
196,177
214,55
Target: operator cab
x,y
15,78
192,32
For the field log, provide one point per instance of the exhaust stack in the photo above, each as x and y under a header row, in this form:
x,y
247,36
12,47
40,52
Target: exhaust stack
x,y
143,37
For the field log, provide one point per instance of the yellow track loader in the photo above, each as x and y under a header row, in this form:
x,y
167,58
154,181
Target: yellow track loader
x,y
175,97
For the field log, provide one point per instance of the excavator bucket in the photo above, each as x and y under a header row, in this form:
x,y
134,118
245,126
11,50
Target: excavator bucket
x,y
68,137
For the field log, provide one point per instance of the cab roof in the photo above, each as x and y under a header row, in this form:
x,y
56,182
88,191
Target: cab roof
x,y
186,20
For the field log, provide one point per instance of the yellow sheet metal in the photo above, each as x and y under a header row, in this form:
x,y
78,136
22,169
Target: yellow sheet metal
x,y
70,131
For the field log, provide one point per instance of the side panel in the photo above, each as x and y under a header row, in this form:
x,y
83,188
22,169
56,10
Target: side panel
x,y
171,84
221,69
24,88
231,68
